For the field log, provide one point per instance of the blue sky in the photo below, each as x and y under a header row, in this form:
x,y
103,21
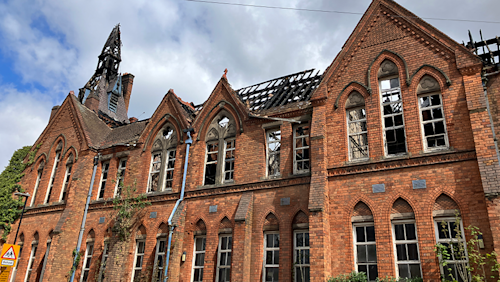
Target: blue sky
x,y
49,47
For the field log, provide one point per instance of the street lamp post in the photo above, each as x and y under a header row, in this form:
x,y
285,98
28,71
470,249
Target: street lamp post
x,y
25,195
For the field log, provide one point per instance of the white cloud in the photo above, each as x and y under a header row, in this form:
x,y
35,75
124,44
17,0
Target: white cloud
x,y
186,45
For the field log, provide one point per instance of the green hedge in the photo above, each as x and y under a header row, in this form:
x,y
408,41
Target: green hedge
x,y
361,277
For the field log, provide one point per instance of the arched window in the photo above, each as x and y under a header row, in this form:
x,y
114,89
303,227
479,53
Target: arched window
x,y
365,246
54,172
405,239
161,247
392,109
140,247
450,234
37,183
89,252
224,251
67,178
271,249
356,127
432,118
31,261
301,248
221,144
163,155
46,256
200,239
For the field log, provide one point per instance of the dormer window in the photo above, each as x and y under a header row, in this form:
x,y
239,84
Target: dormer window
x,y
220,150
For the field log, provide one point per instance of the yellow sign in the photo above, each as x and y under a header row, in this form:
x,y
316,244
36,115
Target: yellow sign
x,y
4,273
9,255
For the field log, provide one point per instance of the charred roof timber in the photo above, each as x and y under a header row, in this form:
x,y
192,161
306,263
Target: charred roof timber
x,y
280,91
486,50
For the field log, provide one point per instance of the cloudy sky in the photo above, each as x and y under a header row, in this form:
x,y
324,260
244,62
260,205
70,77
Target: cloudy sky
x,y
50,47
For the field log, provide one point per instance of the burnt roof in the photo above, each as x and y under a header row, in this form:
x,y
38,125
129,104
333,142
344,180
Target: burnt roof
x,y
125,134
280,91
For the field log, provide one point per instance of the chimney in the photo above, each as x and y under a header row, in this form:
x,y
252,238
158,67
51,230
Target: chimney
x,y
92,102
54,112
127,83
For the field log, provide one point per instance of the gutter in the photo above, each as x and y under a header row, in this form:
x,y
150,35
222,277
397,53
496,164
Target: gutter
x,y
171,227
82,228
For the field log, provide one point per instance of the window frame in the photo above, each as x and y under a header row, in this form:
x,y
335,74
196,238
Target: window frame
x,y
105,254
105,180
120,176
295,248
233,149
348,122
422,122
226,251
31,261
161,254
383,116
167,169
270,154
308,138
273,249
52,178
355,244
195,252
85,267
394,242
136,255
37,185
437,222
66,181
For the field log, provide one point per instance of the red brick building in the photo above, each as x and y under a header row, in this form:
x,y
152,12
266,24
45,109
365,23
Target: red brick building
x,y
295,179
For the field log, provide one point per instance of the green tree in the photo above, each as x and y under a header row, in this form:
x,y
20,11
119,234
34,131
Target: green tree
x,y
10,207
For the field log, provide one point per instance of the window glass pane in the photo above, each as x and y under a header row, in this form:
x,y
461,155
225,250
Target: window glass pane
x,y
224,243
385,84
228,259
360,234
276,240
276,257
394,82
272,274
302,274
370,233
300,239
410,231
412,252
398,229
424,101
436,100
403,271
269,240
373,272
362,268
306,239
415,270
372,253
401,252
269,257
361,253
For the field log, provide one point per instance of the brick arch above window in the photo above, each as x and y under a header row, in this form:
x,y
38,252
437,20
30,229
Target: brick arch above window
x,y
215,111
71,150
223,126
167,118
162,229
271,222
445,206
141,232
433,71
200,227
395,58
401,209
348,89
59,144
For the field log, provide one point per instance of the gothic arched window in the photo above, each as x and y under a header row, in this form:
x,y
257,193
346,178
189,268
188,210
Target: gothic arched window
x,y
356,127
221,142
163,154
392,109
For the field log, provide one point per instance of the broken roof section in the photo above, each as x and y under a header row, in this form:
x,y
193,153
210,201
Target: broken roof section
x,y
280,91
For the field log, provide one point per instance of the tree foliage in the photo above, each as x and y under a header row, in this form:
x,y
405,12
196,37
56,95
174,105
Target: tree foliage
x,y
10,207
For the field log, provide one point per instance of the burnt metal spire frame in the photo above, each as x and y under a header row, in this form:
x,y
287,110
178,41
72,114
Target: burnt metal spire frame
x,y
107,66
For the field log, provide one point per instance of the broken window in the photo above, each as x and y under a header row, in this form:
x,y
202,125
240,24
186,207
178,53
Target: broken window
x,y
221,149
392,115
432,114
104,179
120,177
154,175
163,157
356,127
301,162
273,151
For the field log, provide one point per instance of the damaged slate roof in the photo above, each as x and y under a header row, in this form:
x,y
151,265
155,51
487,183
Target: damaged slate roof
x,y
125,134
297,87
